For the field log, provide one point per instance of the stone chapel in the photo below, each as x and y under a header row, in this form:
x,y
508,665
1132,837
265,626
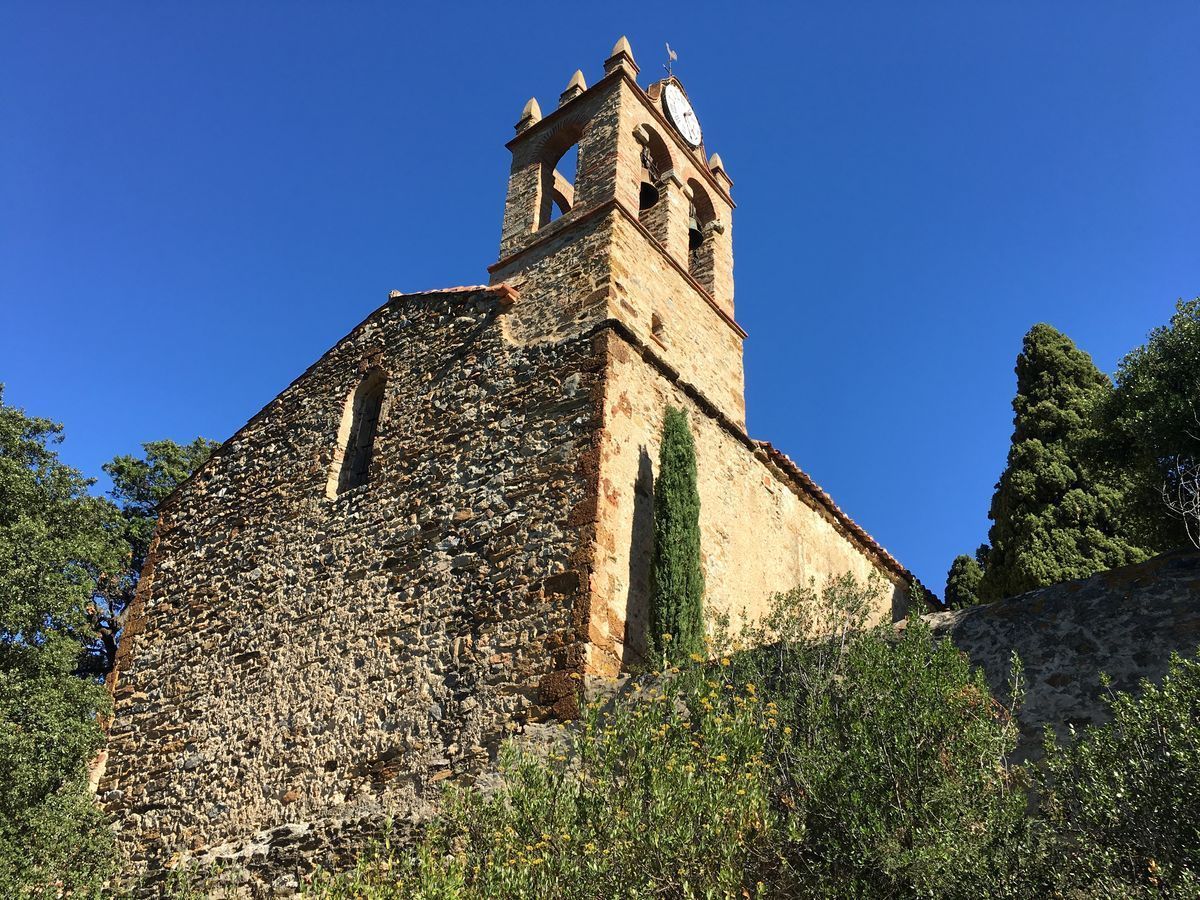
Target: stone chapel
x,y
442,528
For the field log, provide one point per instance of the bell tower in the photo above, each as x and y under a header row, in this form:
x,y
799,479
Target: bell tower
x,y
642,235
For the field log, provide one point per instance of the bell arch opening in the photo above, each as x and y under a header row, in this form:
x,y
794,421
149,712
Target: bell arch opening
x,y
652,191
560,173
701,221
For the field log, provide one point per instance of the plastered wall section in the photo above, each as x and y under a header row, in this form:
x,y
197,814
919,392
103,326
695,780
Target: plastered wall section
x,y
695,339
758,536
298,659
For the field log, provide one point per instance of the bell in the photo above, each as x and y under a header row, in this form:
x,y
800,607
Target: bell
x,y
695,235
649,196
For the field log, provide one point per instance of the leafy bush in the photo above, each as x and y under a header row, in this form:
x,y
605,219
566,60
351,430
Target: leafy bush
x,y
889,767
1123,799
660,795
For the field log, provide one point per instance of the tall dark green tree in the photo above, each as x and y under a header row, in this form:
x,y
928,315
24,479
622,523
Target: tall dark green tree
x,y
1058,513
677,580
962,581
139,485
57,545
1154,420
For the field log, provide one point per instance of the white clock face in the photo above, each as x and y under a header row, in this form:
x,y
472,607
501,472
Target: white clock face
x,y
680,113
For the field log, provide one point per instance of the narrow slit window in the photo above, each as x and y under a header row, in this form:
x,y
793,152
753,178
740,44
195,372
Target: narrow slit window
x,y
356,437
657,329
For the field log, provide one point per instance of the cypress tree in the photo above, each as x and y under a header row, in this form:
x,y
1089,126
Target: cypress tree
x,y
677,581
962,582
1057,513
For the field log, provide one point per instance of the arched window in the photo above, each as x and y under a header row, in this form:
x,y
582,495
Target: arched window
x,y
562,191
656,162
701,217
356,436
560,167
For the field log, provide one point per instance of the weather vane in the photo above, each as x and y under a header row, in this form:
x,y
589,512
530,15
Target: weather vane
x,y
671,57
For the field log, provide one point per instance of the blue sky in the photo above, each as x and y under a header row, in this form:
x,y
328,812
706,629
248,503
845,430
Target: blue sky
x,y
196,200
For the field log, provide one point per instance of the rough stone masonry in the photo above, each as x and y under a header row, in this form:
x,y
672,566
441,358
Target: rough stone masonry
x,y
442,528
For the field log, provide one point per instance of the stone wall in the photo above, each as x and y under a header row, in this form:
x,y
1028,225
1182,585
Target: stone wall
x,y
1125,623
300,661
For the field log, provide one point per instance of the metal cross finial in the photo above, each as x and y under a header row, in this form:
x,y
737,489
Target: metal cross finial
x,y
671,57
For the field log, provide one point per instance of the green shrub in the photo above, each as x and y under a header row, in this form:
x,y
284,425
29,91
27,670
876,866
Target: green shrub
x,y
662,794
890,763
1123,799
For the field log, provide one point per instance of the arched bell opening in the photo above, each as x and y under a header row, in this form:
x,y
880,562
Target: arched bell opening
x,y
655,164
701,226
561,163
562,192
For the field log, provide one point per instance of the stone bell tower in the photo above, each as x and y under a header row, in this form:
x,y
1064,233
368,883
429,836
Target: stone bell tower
x,y
643,235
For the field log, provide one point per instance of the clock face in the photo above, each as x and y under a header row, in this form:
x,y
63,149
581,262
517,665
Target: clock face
x,y
680,113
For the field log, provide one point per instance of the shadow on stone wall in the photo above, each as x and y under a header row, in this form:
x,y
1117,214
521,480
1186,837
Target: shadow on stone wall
x,y
1124,623
641,552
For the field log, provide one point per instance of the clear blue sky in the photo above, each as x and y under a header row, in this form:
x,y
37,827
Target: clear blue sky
x,y
197,200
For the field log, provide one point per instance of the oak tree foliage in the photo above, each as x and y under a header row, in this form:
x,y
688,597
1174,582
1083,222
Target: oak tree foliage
x,y
58,544
1153,418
